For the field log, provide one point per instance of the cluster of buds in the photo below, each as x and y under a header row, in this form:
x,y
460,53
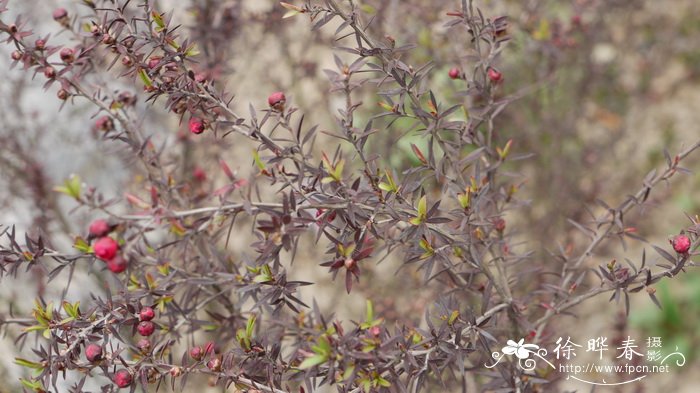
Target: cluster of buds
x,y
106,248
146,327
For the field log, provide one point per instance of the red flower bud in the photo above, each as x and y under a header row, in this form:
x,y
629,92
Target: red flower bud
x,y
494,75
104,123
93,353
49,72
499,224
60,15
146,328
107,39
277,100
455,73
144,345
16,55
123,378
63,94
99,228
196,125
147,314
67,55
127,62
210,348
197,353
199,174
105,248
681,244
40,44
154,61
117,264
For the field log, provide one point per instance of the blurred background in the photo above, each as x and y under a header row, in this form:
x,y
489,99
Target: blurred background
x,y
606,86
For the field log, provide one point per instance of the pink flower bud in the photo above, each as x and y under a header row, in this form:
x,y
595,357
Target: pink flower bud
x,y
117,264
147,314
494,75
60,15
277,100
99,228
105,248
104,123
93,353
146,328
49,72
196,125
681,244
67,55
144,345
123,378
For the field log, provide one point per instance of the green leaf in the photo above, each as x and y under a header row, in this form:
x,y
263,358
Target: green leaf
x,y
368,348
391,185
191,51
346,251
71,187
385,187
292,10
422,206
81,245
258,162
158,18
323,346
145,78
242,339
348,372
290,14
34,385
312,361
453,317
250,326
28,364
338,172
464,199
415,221
383,382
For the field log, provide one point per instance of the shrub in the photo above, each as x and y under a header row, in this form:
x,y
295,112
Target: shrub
x,y
443,210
